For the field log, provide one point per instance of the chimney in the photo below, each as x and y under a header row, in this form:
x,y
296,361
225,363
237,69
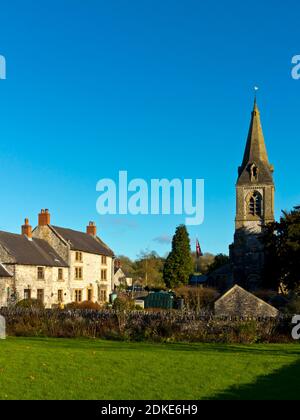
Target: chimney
x,y
44,218
91,229
27,229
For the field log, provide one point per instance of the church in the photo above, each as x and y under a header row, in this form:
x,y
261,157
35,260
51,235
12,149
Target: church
x,y
254,209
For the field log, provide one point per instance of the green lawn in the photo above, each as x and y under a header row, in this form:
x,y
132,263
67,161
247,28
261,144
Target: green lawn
x,y
93,369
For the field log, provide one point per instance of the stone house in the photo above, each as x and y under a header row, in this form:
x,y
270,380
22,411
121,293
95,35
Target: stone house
x,y
121,278
30,268
5,285
241,303
90,260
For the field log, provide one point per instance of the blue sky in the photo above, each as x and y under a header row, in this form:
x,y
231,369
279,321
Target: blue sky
x,y
157,88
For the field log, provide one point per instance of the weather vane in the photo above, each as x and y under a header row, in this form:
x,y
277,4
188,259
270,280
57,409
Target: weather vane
x,y
256,89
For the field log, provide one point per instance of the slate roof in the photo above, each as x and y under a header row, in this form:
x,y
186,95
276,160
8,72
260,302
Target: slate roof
x,y
80,241
30,252
197,279
4,272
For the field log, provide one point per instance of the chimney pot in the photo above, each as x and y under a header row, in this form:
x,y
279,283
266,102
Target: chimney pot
x,y
44,218
27,229
91,229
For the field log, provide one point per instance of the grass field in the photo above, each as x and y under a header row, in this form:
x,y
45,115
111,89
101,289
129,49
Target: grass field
x,y
94,369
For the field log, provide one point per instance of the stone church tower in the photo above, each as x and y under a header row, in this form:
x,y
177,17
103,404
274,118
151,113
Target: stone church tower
x,y
254,207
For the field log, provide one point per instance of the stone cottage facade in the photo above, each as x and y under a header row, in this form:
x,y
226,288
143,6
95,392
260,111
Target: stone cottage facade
x,y
90,260
30,268
121,278
55,265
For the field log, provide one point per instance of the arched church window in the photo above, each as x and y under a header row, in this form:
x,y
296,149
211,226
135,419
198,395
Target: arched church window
x,y
255,204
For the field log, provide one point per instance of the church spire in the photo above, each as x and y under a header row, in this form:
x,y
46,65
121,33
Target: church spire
x,y
255,152
255,192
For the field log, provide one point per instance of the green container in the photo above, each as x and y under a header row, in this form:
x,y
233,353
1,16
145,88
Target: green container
x,y
161,300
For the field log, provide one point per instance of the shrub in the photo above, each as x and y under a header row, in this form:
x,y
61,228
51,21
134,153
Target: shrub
x,y
123,303
163,326
293,306
94,306
72,306
85,305
266,295
30,304
197,298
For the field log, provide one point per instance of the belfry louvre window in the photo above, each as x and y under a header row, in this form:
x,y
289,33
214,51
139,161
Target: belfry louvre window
x,y
255,204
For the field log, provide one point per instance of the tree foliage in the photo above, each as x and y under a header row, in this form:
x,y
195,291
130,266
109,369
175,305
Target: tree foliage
x,y
179,264
149,269
127,265
282,252
219,261
197,298
201,264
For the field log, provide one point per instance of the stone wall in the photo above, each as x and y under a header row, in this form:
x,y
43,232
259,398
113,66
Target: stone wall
x,y
6,285
238,302
46,233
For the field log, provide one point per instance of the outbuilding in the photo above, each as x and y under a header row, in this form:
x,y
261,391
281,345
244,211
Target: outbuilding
x,y
238,302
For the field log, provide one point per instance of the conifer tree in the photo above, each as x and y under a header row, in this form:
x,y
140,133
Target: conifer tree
x,y
179,264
